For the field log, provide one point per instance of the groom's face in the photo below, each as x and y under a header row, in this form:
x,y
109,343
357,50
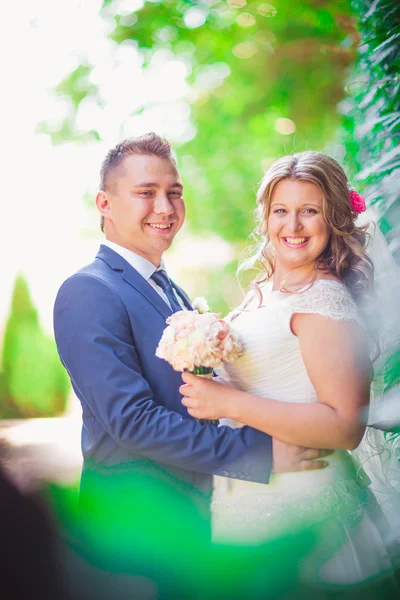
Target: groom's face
x,y
143,207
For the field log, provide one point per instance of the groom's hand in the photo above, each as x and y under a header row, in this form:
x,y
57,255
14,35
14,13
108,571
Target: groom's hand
x,y
287,458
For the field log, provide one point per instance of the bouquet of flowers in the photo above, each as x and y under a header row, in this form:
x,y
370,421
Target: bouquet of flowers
x,y
198,340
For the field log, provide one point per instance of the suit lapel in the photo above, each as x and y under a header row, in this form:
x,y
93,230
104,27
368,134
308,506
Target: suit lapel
x,y
131,276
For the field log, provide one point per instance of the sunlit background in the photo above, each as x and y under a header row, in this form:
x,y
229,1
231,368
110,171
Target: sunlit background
x,y
232,84
49,231
50,226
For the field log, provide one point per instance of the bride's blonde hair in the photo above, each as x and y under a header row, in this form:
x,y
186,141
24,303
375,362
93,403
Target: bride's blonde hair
x,y
345,255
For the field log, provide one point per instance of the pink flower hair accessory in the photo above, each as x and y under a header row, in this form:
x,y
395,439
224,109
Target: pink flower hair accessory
x,y
357,202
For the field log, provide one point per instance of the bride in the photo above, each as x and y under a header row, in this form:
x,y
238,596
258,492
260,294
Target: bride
x,y
310,339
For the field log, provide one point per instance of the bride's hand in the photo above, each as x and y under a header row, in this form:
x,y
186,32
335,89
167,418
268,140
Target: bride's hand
x,y
205,398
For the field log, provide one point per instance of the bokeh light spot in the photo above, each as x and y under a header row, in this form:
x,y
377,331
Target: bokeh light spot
x,y
244,50
245,19
267,10
194,17
166,34
285,126
237,3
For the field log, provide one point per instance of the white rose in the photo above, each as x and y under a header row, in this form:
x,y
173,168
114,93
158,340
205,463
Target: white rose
x,y
201,305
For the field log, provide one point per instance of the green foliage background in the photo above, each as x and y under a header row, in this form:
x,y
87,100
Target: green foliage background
x,y
249,64
330,66
372,124
372,115
33,382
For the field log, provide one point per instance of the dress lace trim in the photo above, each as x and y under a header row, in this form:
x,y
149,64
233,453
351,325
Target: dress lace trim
x,y
326,297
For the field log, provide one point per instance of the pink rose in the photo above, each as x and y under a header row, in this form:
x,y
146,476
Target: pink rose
x,y
357,202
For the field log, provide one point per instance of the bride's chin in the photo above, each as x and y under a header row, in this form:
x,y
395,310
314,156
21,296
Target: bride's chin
x,y
296,263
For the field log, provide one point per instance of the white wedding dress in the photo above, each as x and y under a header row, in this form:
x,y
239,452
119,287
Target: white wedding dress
x,y
352,528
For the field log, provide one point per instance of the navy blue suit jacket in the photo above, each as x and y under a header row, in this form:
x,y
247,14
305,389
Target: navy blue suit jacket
x,y
108,321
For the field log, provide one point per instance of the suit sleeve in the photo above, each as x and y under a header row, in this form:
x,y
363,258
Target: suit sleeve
x,y
95,343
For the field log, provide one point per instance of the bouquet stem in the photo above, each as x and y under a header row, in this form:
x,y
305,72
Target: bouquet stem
x,y
207,373
204,371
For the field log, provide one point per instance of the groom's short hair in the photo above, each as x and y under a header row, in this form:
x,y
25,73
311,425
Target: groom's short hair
x,y
149,144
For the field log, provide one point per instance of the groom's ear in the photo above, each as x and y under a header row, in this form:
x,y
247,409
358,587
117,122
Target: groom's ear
x,y
103,203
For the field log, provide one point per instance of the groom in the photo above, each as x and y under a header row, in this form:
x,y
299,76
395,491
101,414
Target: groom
x,y
108,320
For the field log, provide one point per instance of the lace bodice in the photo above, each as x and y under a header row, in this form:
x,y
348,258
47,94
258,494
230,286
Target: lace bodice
x,y
271,364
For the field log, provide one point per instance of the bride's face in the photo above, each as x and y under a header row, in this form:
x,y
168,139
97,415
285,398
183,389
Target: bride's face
x,y
296,225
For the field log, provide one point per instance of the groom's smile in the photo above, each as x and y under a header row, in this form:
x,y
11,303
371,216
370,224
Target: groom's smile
x,y
143,205
161,227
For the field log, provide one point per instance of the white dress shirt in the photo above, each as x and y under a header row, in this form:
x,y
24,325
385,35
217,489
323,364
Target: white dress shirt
x,y
144,267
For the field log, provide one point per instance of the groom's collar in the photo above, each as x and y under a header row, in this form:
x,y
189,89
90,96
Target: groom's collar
x,y
143,266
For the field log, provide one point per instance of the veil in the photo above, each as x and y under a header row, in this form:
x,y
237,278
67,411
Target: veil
x,y
384,411
379,452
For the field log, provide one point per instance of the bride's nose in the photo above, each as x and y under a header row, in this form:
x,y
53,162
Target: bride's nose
x,y
295,223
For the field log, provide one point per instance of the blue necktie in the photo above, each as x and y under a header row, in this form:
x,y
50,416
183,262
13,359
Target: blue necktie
x,y
161,279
